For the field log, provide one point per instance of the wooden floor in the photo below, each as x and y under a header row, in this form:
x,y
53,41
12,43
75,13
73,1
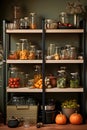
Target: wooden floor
x,y
48,127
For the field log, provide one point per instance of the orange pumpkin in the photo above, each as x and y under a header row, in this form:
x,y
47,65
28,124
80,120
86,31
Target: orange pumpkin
x,y
60,119
76,119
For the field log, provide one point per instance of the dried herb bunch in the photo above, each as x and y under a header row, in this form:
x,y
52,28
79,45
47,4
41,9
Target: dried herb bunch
x,y
75,7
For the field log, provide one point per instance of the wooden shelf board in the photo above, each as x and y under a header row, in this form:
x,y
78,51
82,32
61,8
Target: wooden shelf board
x,y
47,31
35,90
47,61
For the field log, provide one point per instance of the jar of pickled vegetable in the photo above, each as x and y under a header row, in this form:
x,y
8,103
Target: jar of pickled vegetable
x,y
74,80
61,79
32,52
37,73
24,49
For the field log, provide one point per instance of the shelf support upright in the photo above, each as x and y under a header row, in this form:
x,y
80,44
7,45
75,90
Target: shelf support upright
x,y
43,69
84,73
4,69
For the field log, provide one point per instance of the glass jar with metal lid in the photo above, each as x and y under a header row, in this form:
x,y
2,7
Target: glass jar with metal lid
x,y
63,17
61,79
24,49
73,53
33,22
18,49
74,80
32,52
13,72
50,24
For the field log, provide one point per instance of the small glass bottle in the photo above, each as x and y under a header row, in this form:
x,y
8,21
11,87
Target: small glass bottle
x,y
33,24
74,80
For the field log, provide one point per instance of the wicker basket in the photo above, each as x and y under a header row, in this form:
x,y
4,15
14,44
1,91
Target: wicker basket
x,y
23,111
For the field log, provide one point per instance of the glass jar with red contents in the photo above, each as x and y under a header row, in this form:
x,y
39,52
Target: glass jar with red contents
x,y
13,80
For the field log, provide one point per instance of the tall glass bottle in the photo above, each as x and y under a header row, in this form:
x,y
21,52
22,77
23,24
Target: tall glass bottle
x,y
33,24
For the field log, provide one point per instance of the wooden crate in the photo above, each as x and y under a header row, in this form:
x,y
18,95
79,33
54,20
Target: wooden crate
x,y
22,112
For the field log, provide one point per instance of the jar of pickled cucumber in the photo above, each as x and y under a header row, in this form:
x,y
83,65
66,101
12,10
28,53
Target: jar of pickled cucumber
x,y
74,80
61,79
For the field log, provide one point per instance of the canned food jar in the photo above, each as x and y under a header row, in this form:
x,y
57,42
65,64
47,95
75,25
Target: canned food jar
x,y
73,53
24,49
33,22
32,52
74,80
63,17
13,72
50,24
61,79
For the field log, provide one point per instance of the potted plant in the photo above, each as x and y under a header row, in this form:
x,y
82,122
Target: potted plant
x,y
69,107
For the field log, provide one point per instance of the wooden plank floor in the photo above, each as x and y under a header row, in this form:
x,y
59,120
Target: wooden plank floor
x,y
48,127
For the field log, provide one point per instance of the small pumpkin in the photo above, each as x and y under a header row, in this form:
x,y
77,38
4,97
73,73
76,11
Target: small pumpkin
x,y
61,119
76,119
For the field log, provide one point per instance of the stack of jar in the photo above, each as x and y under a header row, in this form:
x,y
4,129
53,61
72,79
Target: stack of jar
x,y
28,22
67,52
65,79
25,51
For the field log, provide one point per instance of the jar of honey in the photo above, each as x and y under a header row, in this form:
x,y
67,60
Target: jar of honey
x,y
33,24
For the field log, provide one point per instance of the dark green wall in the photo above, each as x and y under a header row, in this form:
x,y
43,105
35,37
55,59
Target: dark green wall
x,y
46,8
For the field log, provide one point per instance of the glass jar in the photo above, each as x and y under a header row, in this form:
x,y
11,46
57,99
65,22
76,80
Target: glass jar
x,y
12,55
67,51
18,50
26,23
32,52
13,72
15,100
74,80
38,54
63,18
17,12
37,73
22,79
51,49
73,53
33,24
21,23
24,49
61,79
26,79
56,53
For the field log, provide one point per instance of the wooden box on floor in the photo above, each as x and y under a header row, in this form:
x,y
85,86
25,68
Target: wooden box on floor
x,y
22,112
